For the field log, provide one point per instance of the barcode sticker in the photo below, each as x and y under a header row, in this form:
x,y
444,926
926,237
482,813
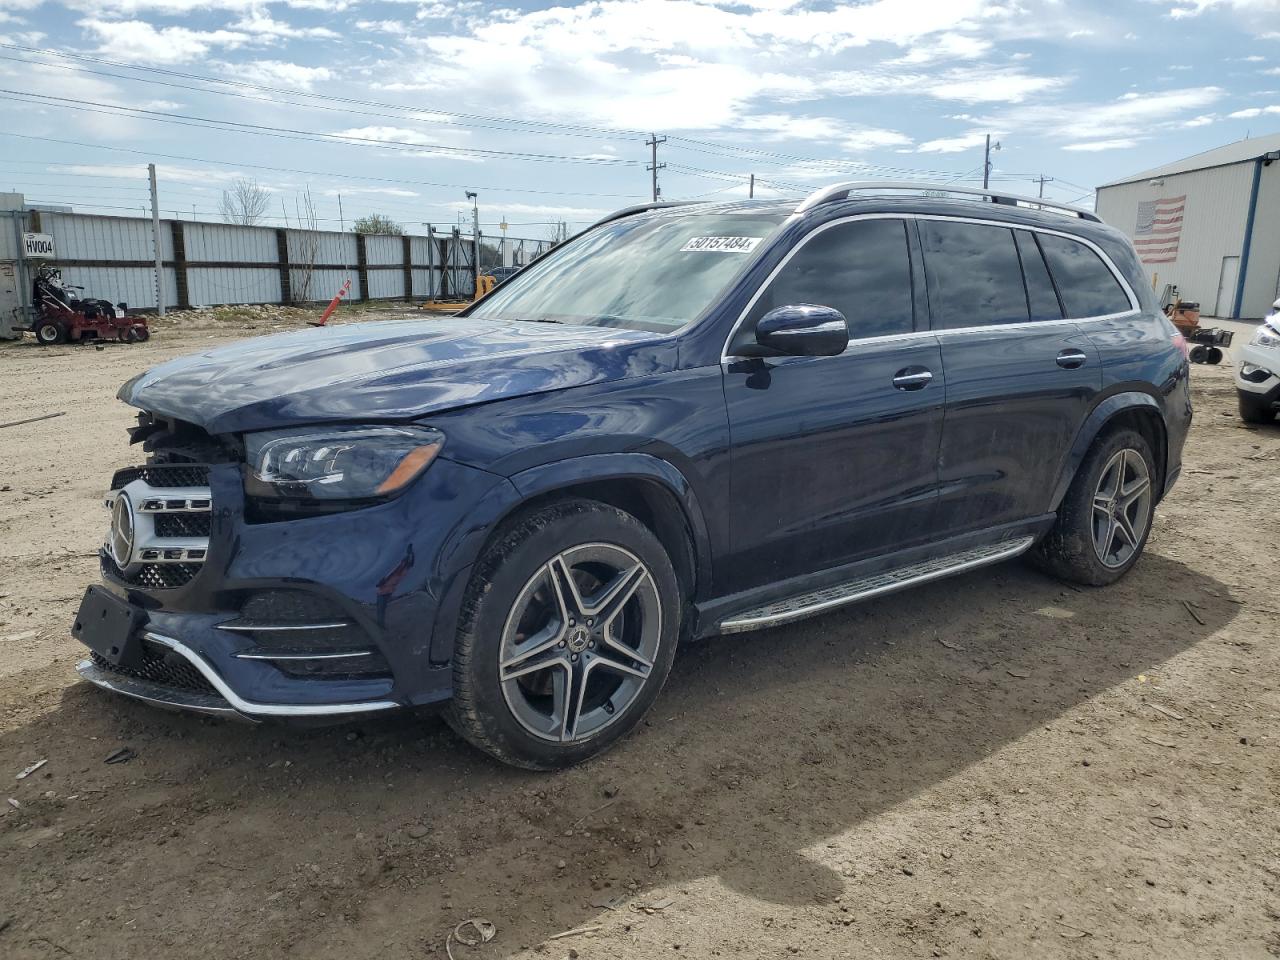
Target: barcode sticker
x,y
720,244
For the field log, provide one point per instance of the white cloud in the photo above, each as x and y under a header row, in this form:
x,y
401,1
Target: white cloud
x,y
260,24
1251,112
139,41
376,191
1094,146
1201,121
278,73
953,144
683,64
1250,8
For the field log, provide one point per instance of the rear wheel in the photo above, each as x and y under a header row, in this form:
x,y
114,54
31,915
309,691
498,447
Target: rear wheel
x,y
50,332
1199,353
1213,356
567,634
1105,517
1255,409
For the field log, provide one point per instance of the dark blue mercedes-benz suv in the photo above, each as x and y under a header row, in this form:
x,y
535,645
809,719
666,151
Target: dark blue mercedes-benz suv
x,y
691,419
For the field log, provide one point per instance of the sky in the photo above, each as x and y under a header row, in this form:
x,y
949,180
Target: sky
x,y
544,109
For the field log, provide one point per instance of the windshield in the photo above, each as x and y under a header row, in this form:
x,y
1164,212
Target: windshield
x,y
647,272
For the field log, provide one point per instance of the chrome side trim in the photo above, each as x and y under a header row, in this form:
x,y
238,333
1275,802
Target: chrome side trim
x,y
252,709
237,627
1134,307
169,698
303,656
808,604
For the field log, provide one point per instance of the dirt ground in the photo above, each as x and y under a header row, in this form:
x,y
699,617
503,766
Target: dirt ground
x,y
997,765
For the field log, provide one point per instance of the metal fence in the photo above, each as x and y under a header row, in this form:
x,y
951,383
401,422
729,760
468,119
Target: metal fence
x,y
210,264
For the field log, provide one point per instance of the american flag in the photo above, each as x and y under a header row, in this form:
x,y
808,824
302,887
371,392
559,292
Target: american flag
x,y
1159,229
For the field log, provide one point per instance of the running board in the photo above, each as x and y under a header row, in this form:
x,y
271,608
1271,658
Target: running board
x,y
816,601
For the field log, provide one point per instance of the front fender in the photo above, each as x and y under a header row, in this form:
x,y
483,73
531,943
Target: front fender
x,y
600,467
549,478
1093,424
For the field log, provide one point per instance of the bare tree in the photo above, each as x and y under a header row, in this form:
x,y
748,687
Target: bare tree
x,y
245,203
308,246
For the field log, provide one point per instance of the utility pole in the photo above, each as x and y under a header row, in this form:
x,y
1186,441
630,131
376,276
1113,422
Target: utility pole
x,y
475,238
342,223
1043,181
654,165
155,239
751,188
986,163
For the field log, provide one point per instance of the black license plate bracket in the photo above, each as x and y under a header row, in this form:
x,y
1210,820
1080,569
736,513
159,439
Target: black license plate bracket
x,y
110,627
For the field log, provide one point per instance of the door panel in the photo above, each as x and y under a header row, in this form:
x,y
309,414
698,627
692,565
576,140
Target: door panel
x,y
1018,388
831,461
1228,276
1015,398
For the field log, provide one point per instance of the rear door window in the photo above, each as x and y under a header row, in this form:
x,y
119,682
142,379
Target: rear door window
x,y
1041,298
862,268
975,278
1087,286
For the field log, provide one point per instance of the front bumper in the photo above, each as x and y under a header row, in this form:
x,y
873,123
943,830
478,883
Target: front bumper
x,y
1260,360
389,573
218,700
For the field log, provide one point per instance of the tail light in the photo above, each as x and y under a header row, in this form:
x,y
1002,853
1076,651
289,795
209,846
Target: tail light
x,y
1180,342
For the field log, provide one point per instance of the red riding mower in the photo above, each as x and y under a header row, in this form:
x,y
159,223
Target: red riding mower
x,y
63,316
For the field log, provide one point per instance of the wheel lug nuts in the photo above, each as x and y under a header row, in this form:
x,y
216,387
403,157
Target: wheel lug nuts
x,y
574,658
591,644
560,644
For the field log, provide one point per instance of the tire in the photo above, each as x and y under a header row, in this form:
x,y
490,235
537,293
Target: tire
x,y
1199,353
1072,549
50,332
1255,409
1213,356
141,334
511,624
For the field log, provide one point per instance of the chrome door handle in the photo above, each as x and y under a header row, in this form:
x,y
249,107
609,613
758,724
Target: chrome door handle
x,y
1071,359
912,378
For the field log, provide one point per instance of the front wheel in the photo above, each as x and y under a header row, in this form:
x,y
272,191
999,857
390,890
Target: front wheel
x,y
1105,517
1255,409
567,634
50,332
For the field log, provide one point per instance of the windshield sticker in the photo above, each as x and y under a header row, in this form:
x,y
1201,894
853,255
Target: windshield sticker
x,y
721,244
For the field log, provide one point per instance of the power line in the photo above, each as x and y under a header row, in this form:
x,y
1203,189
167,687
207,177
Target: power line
x,y
328,97
290,133
310,173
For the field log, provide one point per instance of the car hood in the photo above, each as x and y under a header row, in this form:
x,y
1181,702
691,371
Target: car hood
x,y
388,370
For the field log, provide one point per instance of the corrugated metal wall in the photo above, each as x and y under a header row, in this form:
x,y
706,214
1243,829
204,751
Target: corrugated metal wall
x,y
1213,229
228,264
1262,281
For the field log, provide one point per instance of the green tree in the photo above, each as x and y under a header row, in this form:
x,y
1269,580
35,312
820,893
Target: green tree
x,y
379,224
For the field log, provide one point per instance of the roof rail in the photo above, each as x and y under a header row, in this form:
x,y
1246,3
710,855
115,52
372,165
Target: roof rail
x,y
641,208
842,191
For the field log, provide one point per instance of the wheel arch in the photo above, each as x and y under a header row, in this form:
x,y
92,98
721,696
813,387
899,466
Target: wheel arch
x,y
652,490
1134,410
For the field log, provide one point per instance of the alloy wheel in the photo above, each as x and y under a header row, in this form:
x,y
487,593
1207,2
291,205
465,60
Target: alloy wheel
x,y
580,642
1121,507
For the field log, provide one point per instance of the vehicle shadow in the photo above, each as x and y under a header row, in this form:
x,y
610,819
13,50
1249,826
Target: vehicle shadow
x,y
223,840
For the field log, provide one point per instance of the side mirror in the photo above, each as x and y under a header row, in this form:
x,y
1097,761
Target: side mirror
x,y
803,330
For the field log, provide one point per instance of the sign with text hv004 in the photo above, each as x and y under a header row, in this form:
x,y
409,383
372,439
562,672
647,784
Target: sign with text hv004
x,y
37,245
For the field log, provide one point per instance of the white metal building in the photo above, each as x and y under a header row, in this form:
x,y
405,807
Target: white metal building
x,y
1209,223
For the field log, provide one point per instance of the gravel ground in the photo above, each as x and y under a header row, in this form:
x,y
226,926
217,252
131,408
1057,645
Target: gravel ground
x,y
997,765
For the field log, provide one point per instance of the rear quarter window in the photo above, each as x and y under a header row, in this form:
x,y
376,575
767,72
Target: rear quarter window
x,y
1086,285
975,277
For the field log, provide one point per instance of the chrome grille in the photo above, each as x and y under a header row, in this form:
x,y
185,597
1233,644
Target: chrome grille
x,y
161,521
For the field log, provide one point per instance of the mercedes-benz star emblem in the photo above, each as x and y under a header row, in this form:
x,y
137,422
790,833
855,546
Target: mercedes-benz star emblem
x,y
122,531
